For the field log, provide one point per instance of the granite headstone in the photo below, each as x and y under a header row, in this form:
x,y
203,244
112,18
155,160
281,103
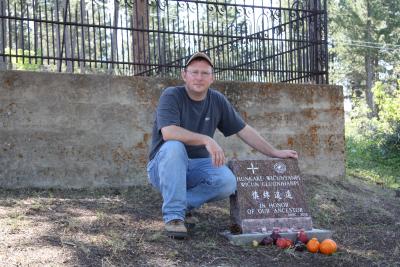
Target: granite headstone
x,y
269,195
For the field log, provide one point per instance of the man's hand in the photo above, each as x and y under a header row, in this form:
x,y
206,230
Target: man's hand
x,y
251,137
173,132
283,154
216,152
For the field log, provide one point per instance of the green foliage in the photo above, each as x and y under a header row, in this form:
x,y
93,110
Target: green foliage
x,y
21,63
387,100
360,29
373,145
364,159
365,35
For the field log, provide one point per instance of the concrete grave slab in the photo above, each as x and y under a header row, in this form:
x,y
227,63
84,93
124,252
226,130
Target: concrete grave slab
x,y
247,239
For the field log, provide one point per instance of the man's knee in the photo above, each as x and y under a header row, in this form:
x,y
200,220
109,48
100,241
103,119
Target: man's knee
x,y
228,183
173,149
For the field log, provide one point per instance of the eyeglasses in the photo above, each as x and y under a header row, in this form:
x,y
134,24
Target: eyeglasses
x,y
196,73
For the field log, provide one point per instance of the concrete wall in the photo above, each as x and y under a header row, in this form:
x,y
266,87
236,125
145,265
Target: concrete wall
x,y
71,130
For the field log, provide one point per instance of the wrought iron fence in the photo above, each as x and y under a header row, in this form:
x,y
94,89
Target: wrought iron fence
x,y
268,41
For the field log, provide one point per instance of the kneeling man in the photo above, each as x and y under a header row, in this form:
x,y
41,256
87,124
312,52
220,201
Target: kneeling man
x,y
186,164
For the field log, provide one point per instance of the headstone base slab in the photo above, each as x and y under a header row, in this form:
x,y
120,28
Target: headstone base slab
x,y
247,239
268,224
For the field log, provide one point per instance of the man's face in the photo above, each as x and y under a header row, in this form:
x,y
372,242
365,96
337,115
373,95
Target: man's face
x,y
198,77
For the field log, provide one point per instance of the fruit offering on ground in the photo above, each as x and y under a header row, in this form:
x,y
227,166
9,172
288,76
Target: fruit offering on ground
x,y
275,235
313,245
235,229
302,236
328,247
284,243
255,243
299,246
267,241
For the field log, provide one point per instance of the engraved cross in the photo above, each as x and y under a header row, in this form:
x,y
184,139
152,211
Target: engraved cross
x,y
252,168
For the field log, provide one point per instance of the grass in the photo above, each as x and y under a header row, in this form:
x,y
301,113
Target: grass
x,y
15,221
366,160
124,228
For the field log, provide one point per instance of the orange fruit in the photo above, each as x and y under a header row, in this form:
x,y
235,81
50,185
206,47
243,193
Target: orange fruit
x,y
328,247
313,245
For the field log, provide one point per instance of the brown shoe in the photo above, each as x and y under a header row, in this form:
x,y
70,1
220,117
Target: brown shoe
x,y
190,220
176,229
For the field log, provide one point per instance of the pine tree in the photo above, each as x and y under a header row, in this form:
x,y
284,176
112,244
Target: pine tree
x,y
366,37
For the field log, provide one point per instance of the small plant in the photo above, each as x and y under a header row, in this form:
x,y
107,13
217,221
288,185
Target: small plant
x,y
116,242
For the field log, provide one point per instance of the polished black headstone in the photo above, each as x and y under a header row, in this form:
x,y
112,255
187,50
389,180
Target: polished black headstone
x,y
269,195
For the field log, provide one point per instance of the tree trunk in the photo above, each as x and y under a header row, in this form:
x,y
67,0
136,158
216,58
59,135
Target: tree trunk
x,y
67,36
82,54
140,53
369,67
35,30
114,45
313,48
58,55
63,36
20,29
369,96
3,31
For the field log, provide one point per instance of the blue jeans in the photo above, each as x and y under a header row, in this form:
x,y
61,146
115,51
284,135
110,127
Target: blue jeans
x,y
187,183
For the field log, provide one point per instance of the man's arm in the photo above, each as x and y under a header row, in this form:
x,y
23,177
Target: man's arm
x,y
251,137
173,132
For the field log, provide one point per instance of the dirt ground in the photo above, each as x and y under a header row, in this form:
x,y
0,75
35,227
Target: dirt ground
x,y
123,227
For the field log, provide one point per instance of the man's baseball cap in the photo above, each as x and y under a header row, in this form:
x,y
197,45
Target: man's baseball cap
x,y
199,55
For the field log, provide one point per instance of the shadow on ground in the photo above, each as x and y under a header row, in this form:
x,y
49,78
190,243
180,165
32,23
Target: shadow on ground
x,y
123,227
